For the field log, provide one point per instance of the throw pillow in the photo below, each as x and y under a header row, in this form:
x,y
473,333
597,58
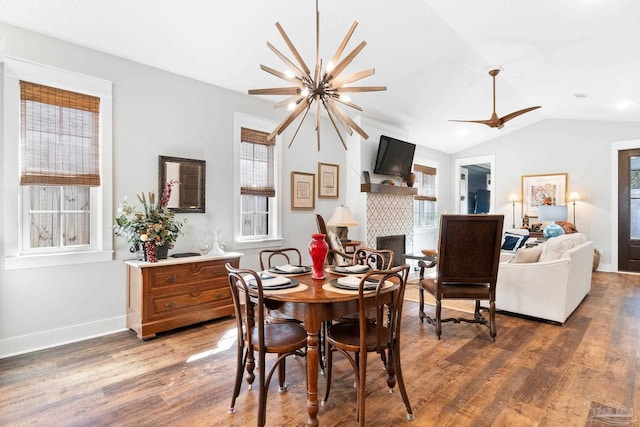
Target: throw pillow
x,y
555,247
513,242
336,245
527,255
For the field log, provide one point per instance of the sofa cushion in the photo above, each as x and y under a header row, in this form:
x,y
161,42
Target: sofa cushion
x,y
555,247
527,255
512,242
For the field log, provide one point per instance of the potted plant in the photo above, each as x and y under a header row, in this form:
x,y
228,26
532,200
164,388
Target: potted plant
x,y
152,231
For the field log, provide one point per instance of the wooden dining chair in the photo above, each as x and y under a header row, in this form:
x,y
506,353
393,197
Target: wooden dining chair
x,y
272,257
467,267
377,259
255,335
380,334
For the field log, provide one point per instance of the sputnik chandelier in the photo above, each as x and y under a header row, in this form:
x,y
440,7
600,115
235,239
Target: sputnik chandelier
x,y
324,87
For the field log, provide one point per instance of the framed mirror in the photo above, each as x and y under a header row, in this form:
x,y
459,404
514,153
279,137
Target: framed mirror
x,y
189,194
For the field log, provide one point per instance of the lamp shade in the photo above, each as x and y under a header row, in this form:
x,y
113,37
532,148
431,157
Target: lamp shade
x,y
342,218
552,213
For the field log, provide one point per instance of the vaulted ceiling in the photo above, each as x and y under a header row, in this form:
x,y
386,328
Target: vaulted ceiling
x,y
578,59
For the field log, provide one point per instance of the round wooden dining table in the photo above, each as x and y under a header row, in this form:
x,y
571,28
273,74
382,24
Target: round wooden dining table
x,y
312,307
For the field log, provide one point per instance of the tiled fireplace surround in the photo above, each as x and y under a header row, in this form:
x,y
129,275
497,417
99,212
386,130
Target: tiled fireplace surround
x,y
389,215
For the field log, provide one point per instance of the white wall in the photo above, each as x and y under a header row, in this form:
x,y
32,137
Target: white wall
x,y
582,149
154,113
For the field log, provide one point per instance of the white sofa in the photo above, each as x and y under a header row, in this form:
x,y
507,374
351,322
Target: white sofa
x,y
550,288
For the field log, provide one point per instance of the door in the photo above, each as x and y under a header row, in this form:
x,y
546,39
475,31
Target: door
x,y
629,210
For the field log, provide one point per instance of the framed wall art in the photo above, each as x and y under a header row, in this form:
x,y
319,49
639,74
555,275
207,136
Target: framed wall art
x,y
535,188
328,181
302,191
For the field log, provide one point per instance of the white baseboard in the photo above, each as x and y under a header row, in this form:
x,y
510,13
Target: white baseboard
x,y
55,337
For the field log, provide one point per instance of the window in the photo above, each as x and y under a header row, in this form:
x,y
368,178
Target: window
x,y
58,166
425,202
258,180
59,159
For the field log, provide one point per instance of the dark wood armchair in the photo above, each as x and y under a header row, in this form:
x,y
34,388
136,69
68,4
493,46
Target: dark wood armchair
x,y
467,268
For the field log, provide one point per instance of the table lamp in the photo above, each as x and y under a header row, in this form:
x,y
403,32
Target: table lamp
x,y
552,213
341,219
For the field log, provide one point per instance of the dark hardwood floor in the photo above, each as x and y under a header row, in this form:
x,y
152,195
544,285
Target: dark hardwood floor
x,y
535,374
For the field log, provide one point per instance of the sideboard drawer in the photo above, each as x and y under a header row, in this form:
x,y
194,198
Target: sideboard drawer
x,y
187,273
193,297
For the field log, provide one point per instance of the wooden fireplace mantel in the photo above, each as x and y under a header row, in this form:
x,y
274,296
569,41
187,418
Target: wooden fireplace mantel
x,y
390,189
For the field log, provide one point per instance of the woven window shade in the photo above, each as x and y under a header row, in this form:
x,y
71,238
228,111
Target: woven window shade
x,y
256,164
59,137
427,183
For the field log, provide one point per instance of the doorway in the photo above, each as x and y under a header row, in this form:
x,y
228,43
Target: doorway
x,y
473,184
629,210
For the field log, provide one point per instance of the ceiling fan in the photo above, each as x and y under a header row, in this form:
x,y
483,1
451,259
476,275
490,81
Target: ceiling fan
x,y
495,121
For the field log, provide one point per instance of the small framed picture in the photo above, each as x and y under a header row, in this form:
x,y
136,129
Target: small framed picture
x,y
302,191
328,181
537,188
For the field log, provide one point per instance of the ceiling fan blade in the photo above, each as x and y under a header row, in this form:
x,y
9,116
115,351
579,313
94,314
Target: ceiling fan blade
x,y
484,122
510,116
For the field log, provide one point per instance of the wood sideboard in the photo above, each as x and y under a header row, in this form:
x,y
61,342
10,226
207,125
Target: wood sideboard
x,y
177,292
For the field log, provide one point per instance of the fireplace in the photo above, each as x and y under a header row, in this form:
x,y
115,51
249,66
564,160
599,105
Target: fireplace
x,y
396,244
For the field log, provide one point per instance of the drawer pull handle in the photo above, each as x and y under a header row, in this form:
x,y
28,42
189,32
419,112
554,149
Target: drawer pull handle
x,y
218,295
170,305
171,279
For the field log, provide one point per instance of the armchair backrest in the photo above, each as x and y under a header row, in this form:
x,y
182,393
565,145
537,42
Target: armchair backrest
x,y
469,248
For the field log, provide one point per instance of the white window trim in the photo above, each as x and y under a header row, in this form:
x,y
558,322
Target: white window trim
x,y
241,120
436,166
16,69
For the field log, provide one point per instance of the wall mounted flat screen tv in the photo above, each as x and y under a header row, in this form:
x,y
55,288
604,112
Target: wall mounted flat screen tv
x,y
394,157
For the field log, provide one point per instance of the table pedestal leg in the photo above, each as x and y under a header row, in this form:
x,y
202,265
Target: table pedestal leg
x,y
312,376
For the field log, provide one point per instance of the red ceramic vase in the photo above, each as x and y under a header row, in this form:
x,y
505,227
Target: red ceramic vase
x,y
318,250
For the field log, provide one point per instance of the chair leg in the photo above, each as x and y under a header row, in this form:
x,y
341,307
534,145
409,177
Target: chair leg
x,y
421,314
240,364
438,318
492,320
262,389
403,390
362,380
328,366
282,368
250,367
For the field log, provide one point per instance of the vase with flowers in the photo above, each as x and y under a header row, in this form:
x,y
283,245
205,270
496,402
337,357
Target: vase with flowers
x,y
152,230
